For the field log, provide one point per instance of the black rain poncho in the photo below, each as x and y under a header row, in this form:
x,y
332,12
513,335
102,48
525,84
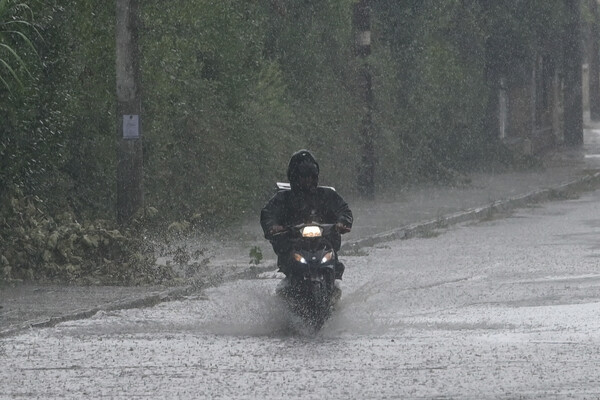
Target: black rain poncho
x,y
292,207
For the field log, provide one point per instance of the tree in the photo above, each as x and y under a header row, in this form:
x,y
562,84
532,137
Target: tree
x,y
573,57
594,60
362,48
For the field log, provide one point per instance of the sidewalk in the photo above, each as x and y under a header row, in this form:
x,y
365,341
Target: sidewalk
x,y
396,216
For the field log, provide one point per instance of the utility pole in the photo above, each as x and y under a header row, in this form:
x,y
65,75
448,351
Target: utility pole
x,y
573,61
362,49
130,195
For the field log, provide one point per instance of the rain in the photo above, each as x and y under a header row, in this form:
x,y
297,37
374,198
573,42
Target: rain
x,y
175,180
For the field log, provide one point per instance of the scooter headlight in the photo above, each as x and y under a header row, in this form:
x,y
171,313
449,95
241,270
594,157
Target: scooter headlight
x,y
299,258
312,231
327,257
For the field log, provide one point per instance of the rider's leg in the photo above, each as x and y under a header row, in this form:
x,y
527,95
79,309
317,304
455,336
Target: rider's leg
x,y
283,262
339,269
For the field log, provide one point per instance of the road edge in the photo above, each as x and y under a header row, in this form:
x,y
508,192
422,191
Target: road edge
x,y
587,183
564,191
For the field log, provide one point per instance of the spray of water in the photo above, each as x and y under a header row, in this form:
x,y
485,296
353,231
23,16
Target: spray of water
x,y
248,308
251,308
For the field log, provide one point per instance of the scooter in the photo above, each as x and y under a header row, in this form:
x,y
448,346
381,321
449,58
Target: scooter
x,y
310,288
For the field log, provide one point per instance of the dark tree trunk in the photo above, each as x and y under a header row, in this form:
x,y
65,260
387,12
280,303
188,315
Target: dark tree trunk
x,y
130,196
492,117
594,62
362,46
573,60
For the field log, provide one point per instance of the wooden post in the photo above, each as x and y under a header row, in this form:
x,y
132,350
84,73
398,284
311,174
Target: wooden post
x,y
573,61
130,197
362,49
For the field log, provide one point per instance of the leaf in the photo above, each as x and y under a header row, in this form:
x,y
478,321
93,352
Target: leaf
x,y
256,255
12,72
8,18
14,53
5,85
3,7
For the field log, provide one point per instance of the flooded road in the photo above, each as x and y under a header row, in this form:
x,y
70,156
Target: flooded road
x,y
506,308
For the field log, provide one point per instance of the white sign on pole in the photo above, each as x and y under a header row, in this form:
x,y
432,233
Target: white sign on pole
x,y
131,126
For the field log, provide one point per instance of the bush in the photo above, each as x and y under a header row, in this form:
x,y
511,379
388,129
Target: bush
x,y
39,247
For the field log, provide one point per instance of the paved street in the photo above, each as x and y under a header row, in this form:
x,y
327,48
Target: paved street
x,y
506,308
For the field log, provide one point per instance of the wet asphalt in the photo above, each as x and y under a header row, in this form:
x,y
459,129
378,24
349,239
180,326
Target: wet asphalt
x,y
566,172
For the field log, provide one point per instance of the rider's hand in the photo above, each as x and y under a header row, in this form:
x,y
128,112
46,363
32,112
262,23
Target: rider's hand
x,y
342,228
275,229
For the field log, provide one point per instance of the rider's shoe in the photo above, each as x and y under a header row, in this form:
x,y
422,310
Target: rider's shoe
x,y
336,294
339,270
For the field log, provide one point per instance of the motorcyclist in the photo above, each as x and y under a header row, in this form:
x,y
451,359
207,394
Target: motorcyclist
x,y
305,202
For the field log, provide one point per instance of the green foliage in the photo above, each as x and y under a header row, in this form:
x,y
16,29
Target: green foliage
x,y
78,97
311,41
37,246
426,53
231,89
256,255
57,140
437,65
216,120
223,118
15,29
514,30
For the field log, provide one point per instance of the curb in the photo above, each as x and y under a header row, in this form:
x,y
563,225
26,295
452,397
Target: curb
x,y
146,301
140,302
584,184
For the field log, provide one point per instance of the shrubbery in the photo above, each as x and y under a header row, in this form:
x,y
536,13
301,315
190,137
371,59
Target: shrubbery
x,y
39,247
230,90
